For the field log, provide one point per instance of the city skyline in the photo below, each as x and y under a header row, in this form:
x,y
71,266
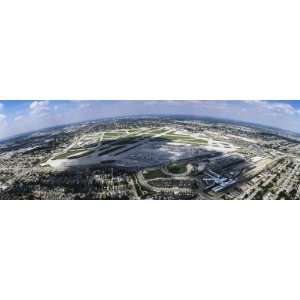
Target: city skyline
x,y
17,117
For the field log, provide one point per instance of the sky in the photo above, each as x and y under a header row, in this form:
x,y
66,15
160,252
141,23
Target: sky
x,y
24,116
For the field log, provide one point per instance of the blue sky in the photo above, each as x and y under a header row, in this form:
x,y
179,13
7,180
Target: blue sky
x,y
23,116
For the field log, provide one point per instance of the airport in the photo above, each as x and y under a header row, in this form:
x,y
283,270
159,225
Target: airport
x,y
151,158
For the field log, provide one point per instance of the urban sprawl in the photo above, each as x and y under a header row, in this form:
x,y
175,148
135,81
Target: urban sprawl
x,y
152,157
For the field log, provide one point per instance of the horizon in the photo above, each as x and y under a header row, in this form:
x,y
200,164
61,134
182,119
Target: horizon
x,y
20,117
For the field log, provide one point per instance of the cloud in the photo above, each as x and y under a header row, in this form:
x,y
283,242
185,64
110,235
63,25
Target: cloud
x,y
1,106
18,118
281,108
84,105
3,120
36,114
38,107
151,103
284,108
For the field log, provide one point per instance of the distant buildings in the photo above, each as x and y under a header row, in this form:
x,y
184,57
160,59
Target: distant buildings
x,y
235,162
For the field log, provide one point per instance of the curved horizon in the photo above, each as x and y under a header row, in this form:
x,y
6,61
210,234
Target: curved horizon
x,y
23,117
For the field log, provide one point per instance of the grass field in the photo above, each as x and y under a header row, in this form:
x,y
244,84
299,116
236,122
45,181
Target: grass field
x,y
67,154
191,141
113,135
157,131
155,173
81,155
184,139
131,130
177,168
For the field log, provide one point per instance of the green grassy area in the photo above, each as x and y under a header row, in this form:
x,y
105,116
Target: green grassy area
x,y
146,135
81,155
153,132
114,133
191,141
134,135
176,136
115,137
157,131
177,168
130,130
184,139
111,136
61,156
154,173
107,139
67,154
